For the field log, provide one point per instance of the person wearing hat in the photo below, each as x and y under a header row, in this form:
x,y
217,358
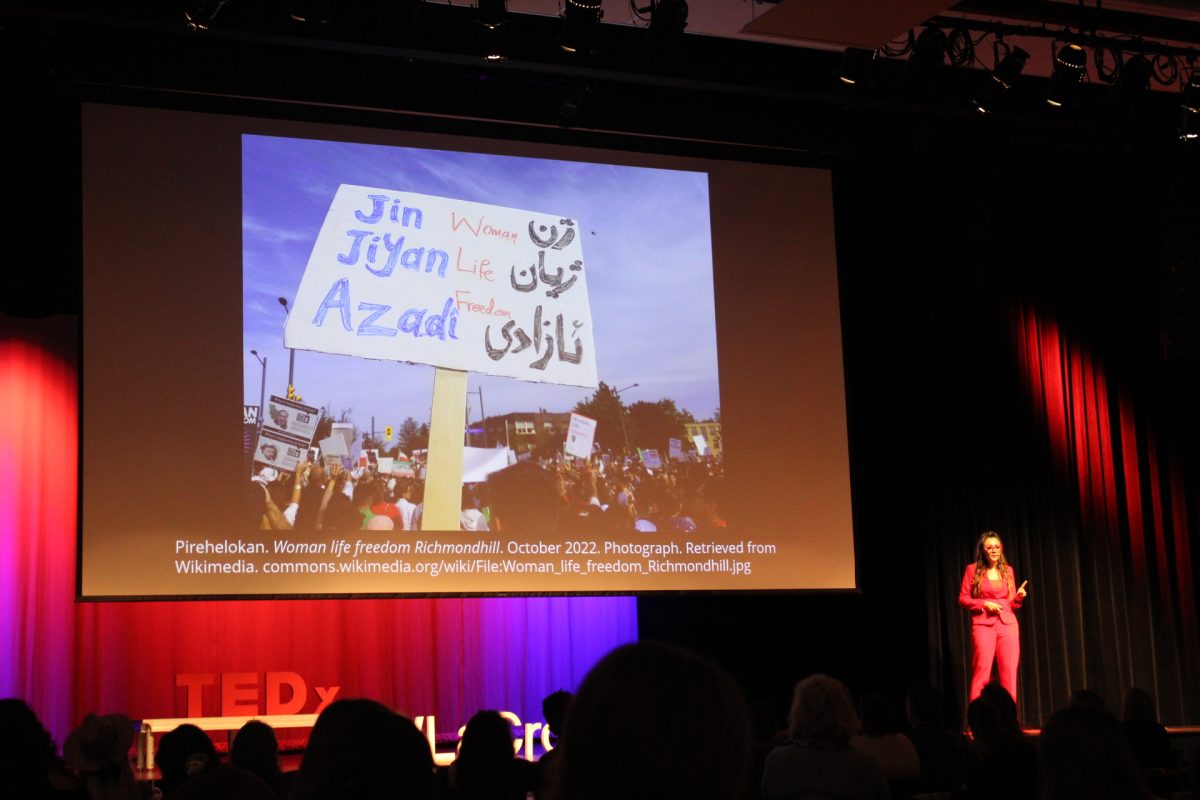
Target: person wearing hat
x,y
99,751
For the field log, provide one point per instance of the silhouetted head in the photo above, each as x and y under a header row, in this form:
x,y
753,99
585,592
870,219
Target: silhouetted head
x,y
653,721
554,709
26,748
1139,706
1084,753
361,749
822,713
185,751
1005,705
256,749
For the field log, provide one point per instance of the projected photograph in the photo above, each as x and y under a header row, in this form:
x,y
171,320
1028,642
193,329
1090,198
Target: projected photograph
x,y
548,324
401,363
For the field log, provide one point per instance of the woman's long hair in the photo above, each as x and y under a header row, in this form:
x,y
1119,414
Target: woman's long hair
x,y
982,564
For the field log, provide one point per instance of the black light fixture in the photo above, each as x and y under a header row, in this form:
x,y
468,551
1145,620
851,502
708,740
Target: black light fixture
x,y
1002,78
1133,84
581,18
856,65
199,14
929,51
1070,62
1135,74
492,13
492,39
1189,103
668,18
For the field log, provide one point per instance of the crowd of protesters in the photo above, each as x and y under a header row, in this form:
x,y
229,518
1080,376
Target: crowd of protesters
x,y
563,495
650,721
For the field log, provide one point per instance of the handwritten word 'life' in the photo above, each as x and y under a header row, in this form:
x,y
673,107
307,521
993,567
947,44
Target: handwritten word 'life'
x,y
414,320
524,341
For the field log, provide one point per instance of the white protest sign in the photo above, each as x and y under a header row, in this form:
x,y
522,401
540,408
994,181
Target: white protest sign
x,y
480,462
345,431
580,433
334,446
701,445
651,459
291,419
468,286
674,449
278,450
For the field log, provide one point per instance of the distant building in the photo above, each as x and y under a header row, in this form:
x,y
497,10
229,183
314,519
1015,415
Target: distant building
x,y
711,431
522,430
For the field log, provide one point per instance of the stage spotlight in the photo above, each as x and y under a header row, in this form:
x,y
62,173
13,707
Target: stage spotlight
x,y
581,18
1069,65
1001,79
199,14
492,13
856,66
1189,126
493,43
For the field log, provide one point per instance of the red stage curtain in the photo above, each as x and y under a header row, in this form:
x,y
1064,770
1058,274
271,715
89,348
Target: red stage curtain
x,y
444,657
1124,590
38,468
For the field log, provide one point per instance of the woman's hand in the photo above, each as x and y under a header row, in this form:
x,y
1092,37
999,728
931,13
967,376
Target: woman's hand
x,y
992,607
1021,591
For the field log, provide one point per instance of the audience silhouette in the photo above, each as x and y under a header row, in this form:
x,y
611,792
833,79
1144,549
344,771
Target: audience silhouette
x,y
651,721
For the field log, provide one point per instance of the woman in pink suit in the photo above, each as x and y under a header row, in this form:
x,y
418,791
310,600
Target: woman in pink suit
x,y
989,589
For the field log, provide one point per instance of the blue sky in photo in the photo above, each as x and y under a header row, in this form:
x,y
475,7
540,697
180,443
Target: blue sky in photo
x,y
646,245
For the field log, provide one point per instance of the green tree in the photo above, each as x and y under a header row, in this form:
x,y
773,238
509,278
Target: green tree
x,y
651,424
412,436
606,408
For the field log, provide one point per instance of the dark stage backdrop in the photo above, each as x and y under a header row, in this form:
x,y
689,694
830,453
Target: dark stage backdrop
x,y
1004,370
1036,398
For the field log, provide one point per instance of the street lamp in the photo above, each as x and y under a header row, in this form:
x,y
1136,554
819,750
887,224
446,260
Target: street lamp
x,y
482,415
262,388
292,353
621,413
